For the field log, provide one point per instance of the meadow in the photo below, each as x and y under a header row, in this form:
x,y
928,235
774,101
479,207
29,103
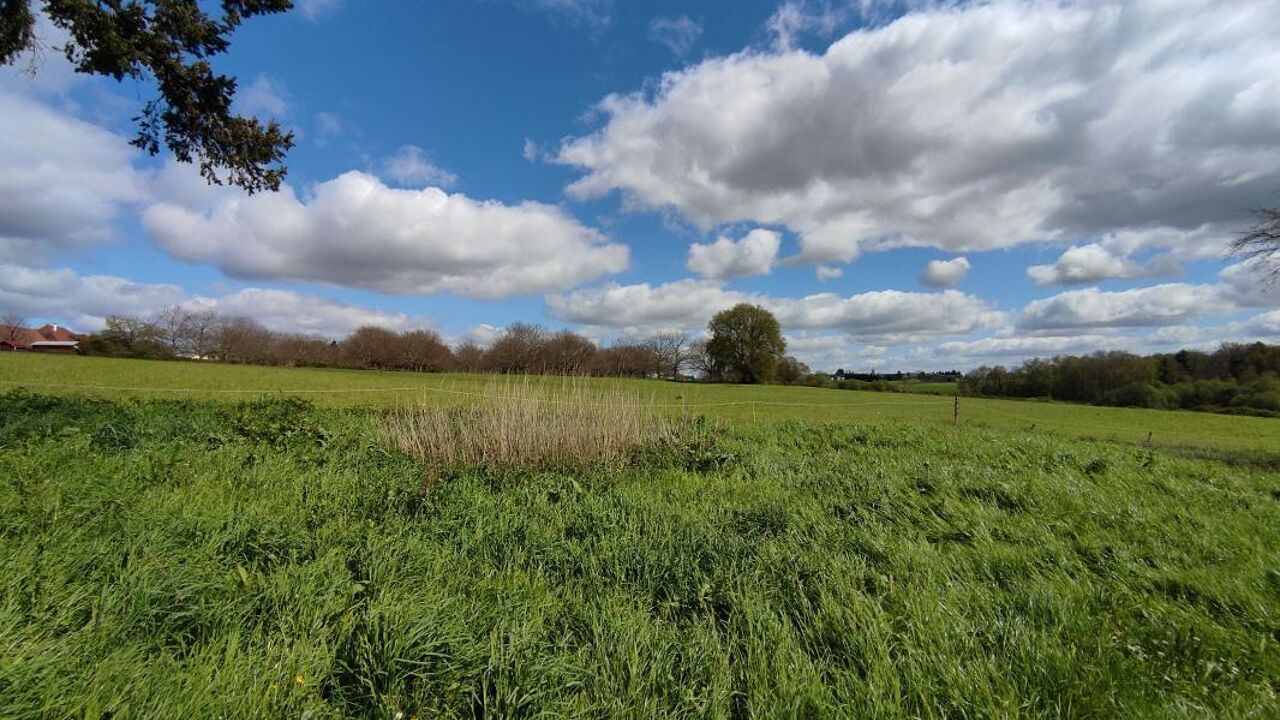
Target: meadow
x,y
217,555
328,387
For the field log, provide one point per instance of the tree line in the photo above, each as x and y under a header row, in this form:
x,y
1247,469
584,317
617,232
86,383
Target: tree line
x,y
1239,378
745,344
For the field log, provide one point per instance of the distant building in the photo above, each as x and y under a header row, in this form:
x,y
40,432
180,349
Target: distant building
x,y
49,339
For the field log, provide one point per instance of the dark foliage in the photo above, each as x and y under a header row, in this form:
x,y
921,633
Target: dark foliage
x,y
171,43
1243,378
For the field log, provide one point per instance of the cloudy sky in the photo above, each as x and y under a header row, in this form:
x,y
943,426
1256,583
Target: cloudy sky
x,y
907,185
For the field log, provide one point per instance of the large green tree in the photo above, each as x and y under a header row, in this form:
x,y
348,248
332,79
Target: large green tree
x,y
746,344
169,42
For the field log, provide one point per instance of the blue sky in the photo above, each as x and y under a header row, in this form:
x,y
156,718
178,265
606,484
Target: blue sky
x,y
906,185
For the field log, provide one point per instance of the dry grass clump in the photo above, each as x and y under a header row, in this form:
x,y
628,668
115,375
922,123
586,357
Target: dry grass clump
x,y
524,423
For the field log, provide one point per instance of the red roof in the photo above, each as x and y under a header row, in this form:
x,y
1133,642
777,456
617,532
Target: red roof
x,y
57,333
25,337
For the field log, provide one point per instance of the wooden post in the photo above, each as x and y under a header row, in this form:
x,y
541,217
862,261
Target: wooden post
x,y
955,410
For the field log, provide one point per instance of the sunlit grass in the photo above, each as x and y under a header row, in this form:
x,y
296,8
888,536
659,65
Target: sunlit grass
x,y
180,559
739,404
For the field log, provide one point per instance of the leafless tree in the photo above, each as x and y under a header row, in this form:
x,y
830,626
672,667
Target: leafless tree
x,y
11,326
698,359
672,352
566,353
1261,243
469,357
245,340
172,324
372,346
202,334
516,350
423,350
790,370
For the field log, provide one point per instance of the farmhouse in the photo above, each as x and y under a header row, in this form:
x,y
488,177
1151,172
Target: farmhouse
x,y
48,338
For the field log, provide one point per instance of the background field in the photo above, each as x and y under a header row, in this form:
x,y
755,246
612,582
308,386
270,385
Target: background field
x,y
363,388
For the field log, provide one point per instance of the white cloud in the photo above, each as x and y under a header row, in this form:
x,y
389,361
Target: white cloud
x,y
1093,262
679,305
410,167
798,17
885,315
1167,304
288,311
829,272
62,180
530,151
84,301
1266,324
1018,348
328,127
315,9
966,128
1248,286
591,14
679,34
945,273
264,97
754,254
355,231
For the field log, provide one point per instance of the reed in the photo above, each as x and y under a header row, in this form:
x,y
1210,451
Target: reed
x,y
523,423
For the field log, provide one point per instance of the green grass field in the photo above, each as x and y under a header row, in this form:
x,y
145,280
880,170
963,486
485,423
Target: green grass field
x,y
180,557
363,388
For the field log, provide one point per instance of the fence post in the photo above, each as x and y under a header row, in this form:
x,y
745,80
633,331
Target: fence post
x,y
955,410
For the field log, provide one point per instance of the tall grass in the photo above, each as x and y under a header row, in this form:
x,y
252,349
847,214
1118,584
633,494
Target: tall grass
x,y
522,423
275,560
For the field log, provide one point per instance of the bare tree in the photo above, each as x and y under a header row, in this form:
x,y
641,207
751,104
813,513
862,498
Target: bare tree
x,y
566,353
241,339
699,359
172,323
11,326
423,350
1261,243
469,357
373,346
672,352
202,334
516,350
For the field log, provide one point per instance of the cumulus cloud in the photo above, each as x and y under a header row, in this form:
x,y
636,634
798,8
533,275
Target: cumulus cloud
x,y
410,167
1266,324
289,311
62,180
678,33
688,304
1248,286
754,254
945,273
966,128
355,231
798,17
84,301
828,272
1167,304
989,348
1093,262
263,96
1240,287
